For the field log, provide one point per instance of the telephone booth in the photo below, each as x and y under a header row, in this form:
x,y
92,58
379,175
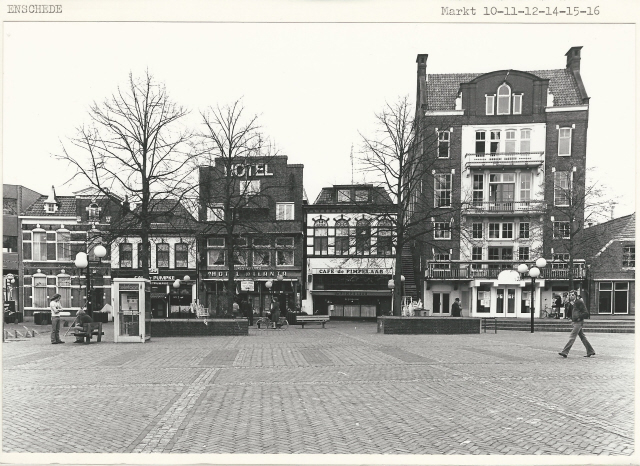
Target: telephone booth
x,y
132,310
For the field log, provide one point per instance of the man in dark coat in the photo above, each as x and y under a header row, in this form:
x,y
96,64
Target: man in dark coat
x,y
81,318
579,312
247,311
456,309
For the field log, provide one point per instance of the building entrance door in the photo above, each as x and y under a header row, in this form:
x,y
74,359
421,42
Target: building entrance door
x,y
511,301
500,301
441,303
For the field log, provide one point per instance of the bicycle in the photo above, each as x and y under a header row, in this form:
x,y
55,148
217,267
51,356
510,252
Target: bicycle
x,y
282,323
548,313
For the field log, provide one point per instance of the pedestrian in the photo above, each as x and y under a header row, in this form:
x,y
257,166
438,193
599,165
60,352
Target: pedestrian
x,y
275,313
557,304
56,309
579,312
235,308
245,307
568,307
81,318
456,309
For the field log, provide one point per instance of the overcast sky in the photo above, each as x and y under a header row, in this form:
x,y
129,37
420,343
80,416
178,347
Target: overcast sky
x,y
315,86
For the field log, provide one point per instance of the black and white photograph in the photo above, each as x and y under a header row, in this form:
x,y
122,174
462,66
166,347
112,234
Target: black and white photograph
x,y
319,233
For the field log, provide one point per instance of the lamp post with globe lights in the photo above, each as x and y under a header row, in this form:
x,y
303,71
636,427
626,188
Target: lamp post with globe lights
x,y
82,261
392,286
534,273
178,282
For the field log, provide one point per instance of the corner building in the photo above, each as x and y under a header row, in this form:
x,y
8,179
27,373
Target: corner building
x,y
509,145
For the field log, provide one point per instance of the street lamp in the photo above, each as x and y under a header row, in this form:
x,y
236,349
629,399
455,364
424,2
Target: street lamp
x,y
9,280
392,284
82,261
534,273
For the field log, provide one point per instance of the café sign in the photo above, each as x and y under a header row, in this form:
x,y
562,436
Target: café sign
x,y
359,271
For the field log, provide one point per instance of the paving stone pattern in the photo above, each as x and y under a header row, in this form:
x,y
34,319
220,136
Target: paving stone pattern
x,y
341,390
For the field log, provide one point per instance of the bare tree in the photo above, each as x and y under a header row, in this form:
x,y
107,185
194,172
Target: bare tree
x,y
235,183
578,201
402,156
134,146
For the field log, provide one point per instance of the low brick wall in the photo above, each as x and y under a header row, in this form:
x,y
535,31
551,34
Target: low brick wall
x,y
194,328
428,325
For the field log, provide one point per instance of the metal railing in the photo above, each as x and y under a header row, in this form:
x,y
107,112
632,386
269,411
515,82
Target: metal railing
x,y
508,206
505,158
461,270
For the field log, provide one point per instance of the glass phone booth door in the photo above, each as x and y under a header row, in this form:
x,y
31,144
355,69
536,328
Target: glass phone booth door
x,y
132,305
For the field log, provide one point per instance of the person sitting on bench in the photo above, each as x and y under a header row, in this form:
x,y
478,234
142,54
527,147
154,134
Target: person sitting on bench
x,y
81,318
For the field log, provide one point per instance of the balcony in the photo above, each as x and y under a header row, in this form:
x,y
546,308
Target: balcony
x,y
506,207
466,270
511,159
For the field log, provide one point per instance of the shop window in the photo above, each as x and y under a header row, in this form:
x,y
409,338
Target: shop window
x,y
613,297
284,211
126,255
363,237
629,256
182,255
321,237
342,237
162,256
444,138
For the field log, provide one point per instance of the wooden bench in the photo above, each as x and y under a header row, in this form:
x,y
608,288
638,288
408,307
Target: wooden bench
x,y
90,329
302,320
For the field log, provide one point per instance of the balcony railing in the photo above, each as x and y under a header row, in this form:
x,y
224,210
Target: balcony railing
x,y
465,270
505,158
508,206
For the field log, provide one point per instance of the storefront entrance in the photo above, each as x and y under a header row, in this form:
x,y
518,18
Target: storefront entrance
x,y
441,303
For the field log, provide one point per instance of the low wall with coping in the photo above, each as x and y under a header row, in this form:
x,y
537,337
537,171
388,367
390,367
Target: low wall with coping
x,y
428,325
194,328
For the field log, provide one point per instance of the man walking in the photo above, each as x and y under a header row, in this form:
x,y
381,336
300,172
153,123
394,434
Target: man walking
x,y
579,312
456,309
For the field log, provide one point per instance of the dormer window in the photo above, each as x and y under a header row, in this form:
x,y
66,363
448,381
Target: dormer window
x,y
504,99
50,207
344,195
93,211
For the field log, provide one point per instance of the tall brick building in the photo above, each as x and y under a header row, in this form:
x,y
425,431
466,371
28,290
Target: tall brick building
x,y
262,197
511,148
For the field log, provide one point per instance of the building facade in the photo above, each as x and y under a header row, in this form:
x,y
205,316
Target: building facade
x,y
611,289
251,210
350,252
172,262
54,229
511,146
15,199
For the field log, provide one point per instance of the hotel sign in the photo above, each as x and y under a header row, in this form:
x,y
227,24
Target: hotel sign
x,y
363,271
246,273
253,169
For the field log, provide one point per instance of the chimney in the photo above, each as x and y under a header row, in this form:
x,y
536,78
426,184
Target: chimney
x,y
126,207
421,93
573,58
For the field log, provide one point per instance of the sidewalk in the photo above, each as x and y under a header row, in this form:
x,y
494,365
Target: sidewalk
x,y
345,389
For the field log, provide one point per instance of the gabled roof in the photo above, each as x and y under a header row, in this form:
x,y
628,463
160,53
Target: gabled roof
x,y
442,89
66,207
169,215
599,237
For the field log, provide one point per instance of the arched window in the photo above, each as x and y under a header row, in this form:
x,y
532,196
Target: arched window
x,y
384,237
504,99
342,237
363,237
321,237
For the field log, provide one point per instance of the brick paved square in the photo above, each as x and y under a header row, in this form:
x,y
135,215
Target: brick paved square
x,y
341,390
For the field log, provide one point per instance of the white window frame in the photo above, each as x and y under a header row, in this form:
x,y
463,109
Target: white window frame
x,y
564,138
441,230
517,104
441,140
281,251
473,231
215,213
567,189
448,179
525,138
489,104
510,141
482,133
524,257
249,187
501,97
474,250
285,211
501,230
629,256
526,180
527,229
494,139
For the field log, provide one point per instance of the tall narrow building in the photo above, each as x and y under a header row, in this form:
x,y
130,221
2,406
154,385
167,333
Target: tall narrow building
x,y
509,158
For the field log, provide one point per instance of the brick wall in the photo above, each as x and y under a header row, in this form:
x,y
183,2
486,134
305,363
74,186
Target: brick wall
x,y
428,325
193,328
